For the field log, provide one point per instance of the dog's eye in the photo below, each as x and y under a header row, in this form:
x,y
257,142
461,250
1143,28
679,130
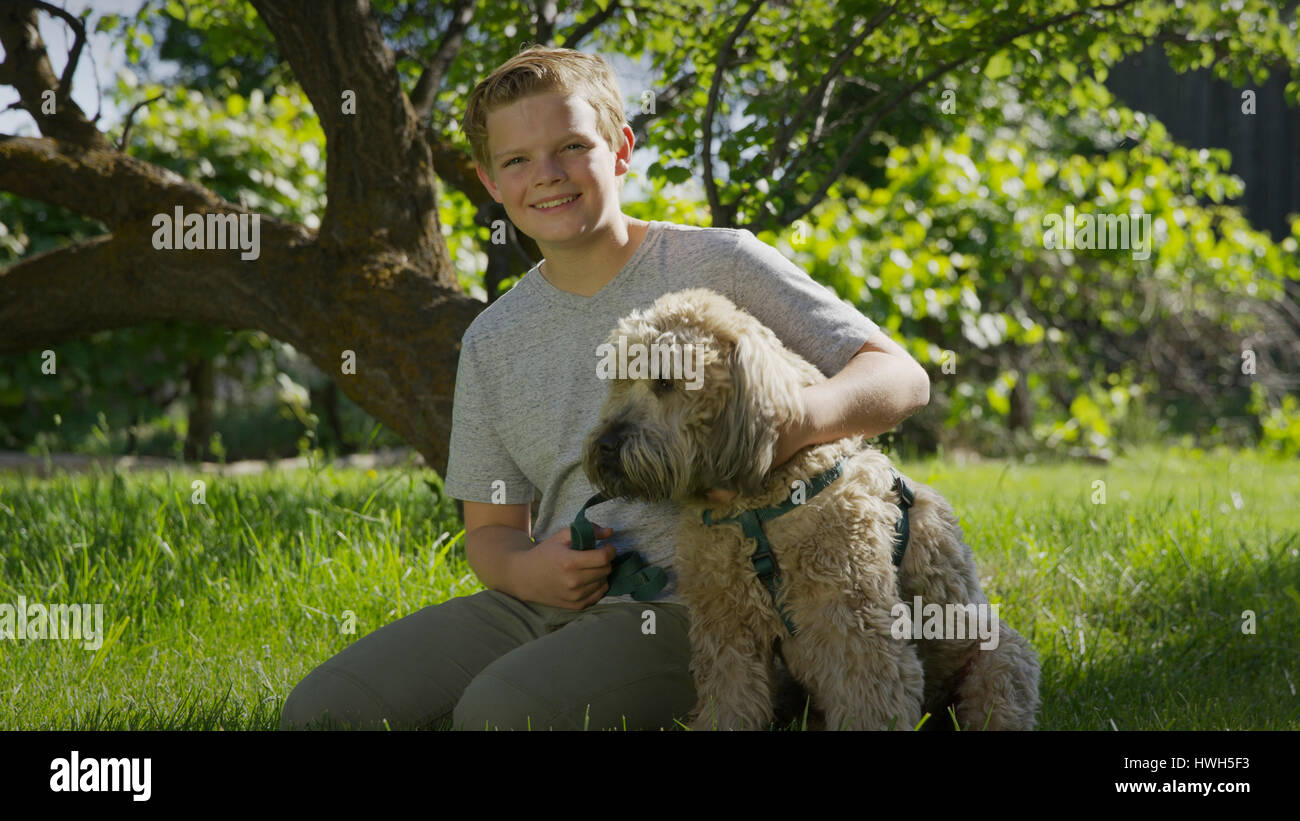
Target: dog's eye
x,y
663,385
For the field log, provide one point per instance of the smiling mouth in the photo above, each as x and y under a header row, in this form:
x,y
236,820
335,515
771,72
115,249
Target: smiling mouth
x,y
555,203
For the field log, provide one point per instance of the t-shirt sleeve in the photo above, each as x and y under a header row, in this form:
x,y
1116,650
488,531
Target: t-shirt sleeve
x,y
808,317
478,459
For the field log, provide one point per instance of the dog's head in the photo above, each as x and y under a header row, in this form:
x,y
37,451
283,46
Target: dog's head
x,y
704,390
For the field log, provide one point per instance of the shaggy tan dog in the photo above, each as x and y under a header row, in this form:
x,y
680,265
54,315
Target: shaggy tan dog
x,y
658,440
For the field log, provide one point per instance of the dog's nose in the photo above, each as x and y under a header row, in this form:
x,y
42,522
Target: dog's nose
x,y
607,446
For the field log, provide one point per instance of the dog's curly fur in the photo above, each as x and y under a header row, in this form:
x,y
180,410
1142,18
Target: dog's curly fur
x,y
656,440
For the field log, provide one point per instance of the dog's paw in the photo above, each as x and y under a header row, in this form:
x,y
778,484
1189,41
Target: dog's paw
x,y
698,724
708,720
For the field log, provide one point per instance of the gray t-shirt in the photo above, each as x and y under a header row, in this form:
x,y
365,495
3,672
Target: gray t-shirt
x,y
527,391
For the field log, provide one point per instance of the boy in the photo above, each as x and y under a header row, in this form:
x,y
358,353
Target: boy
x,y
544,646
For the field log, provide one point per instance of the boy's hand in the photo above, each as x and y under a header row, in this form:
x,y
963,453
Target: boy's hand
x,y
553,573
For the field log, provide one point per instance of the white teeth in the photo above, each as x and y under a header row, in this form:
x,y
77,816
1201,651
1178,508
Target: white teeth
x,y
555,203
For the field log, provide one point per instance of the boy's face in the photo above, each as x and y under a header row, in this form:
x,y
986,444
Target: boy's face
x,y
544,148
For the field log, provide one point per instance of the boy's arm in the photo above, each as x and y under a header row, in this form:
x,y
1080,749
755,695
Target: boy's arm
x,y
873,385
495,496
880,387
494,537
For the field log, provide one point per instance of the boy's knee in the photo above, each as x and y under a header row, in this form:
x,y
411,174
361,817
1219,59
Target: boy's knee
x,y
490,703
328,700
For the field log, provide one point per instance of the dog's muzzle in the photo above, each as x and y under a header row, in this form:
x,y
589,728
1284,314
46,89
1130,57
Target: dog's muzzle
x,y
605,456
606,451
624,461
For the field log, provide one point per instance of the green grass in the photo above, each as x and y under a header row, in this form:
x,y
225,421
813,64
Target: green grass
x,y
216,611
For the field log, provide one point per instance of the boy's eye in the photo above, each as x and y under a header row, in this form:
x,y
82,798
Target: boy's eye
x,y
513,160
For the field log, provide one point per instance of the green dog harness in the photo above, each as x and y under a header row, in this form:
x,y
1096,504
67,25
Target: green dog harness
x,y
765,563
630,573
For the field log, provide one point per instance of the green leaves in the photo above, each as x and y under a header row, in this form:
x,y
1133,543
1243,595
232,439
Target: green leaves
x,y
948,251
934,225
106,22
998,66
677,174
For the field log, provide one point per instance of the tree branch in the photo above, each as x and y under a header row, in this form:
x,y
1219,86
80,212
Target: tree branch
x,y
1220,46
720,216
545,16
379,171
65,81
790,215
456,167
663,103
115,281
818,97
426,88
27,67
580,31
130,120
120,191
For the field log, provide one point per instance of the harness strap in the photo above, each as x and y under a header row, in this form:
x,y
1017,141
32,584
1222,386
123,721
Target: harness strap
x,y
903,527
751,522
629,572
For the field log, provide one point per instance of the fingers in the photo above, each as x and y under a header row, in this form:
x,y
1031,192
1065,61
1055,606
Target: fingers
x,y
591,569
600,571
602,555
593,563
587,595
596,596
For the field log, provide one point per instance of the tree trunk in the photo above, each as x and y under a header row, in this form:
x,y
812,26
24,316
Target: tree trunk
x,y
202,380
371,298
1021,413
327,399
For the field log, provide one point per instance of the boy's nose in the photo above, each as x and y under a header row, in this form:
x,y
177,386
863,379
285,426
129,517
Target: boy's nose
x,y
549,171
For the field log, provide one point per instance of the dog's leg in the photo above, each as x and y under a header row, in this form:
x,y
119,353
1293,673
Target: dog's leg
x,y
868,680
944,662
995,688
731,662
999,688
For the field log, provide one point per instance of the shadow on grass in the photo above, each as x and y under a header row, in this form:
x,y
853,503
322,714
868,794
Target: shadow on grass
x,y
1182,659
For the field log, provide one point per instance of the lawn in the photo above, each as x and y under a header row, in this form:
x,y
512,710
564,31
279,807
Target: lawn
x,y
213,612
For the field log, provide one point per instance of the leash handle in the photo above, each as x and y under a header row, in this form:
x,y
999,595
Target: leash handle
x,y
629,573
582,535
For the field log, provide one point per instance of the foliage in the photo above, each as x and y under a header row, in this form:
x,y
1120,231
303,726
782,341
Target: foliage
x,y
264,152
784,135
951,249
928,217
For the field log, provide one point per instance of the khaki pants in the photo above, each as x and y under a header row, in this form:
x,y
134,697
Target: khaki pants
x,y
492,661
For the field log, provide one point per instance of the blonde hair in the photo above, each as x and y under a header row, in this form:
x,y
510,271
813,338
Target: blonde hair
x,y
539,69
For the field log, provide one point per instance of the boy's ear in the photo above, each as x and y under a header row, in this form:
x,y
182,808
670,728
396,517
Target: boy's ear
x,y
486,179
623,157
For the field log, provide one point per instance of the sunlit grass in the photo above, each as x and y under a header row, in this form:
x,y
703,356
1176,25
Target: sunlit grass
x,y
215,611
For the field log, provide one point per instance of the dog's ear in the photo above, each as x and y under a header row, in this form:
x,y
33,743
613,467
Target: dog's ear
x,y
764,397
